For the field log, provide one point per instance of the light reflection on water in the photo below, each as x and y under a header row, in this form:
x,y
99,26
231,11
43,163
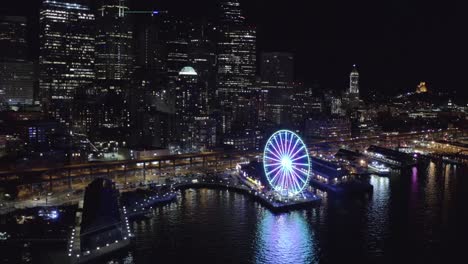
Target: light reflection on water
x,y
378,213
285,238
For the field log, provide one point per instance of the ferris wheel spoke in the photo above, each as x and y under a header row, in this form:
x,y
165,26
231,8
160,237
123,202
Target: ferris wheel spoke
x,y
300,181
280,144
290,179
294,183
289,145
280,151
297,151
274,153
274,145
303,156
304,181
275,178
299,172
300,164
277,154
272,158
284,179
285,143
293,148
280,177
273,164
272,171
297,184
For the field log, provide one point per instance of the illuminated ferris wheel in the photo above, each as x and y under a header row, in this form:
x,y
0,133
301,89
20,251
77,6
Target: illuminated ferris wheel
x,y
286,163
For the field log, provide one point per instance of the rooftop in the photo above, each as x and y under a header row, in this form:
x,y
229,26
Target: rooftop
x,y
188,71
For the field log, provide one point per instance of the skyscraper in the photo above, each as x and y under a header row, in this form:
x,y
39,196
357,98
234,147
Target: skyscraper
x,y
13,45
174,34
202,57
188,105
277,76
114,64
16,71
67,55
354,82
277,67
236,63
148,47
114,37
195,129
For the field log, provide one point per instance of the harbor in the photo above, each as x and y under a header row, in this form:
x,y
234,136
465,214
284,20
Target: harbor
x,y
104,215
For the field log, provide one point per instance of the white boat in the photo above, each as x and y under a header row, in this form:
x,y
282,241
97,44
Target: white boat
x,y
378,168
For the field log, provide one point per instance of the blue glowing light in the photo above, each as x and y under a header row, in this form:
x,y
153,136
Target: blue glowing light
x,y
155,12
286,163
53,215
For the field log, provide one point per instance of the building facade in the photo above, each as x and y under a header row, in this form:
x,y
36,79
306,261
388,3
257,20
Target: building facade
x,y
327,128
277,67
236,64
354,82
16,71
66,61
114,65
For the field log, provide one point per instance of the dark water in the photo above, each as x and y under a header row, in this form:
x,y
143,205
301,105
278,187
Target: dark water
x,y
417,216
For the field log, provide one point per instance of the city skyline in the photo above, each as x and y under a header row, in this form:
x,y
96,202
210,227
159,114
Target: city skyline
x,y
400,48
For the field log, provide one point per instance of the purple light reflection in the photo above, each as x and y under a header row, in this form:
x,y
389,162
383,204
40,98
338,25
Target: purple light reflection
x,y
285,238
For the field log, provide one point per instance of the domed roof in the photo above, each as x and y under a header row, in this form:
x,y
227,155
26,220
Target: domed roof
x,y
188,71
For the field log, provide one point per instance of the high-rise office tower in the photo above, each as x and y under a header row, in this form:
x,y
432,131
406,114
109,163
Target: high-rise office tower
x,y
231,13
336,106
196,131
16,71
236,63
114,39
187,104
114,63
151,105
277,76
13,44
354,82
351,99
175,37
277,67
202,57
148,47
66,61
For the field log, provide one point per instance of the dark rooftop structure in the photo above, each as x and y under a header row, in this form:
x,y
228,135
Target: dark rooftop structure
x,y
349,155
101,215
327,169
390,156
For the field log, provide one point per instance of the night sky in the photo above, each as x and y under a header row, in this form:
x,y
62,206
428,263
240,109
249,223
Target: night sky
x,y
396,44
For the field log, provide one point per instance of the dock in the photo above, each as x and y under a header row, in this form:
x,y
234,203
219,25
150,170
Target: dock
x,y
266,200
90,223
